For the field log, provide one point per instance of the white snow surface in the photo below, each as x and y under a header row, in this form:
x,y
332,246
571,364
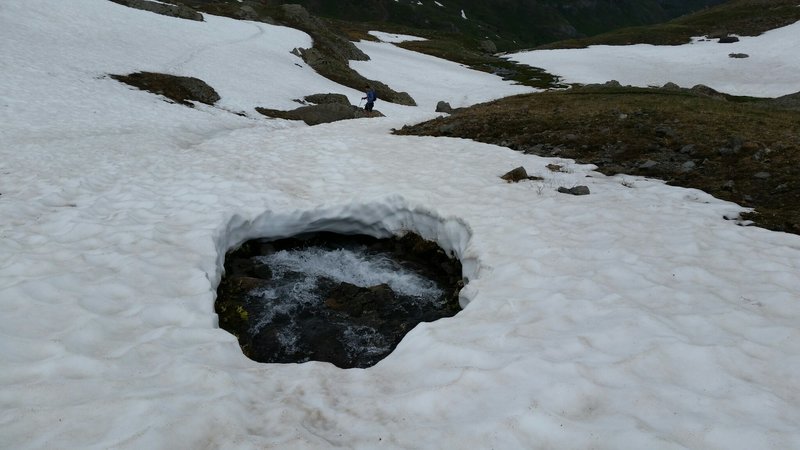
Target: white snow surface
x,y
429,79
635,317
770,70
394,37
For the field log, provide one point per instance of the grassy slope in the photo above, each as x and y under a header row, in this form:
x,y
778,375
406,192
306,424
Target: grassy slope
x,y
742,17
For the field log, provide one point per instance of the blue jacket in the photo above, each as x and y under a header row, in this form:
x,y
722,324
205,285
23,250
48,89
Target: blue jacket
x,y
371,97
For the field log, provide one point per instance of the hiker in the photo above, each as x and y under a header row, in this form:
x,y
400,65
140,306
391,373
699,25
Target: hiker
x,y
370,98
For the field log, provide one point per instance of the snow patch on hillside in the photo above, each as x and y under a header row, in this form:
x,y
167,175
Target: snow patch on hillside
x,y
770,70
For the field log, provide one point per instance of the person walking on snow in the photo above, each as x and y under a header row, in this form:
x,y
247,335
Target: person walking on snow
x,y
370,98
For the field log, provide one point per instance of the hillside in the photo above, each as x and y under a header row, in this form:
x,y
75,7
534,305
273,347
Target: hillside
x,y
509,24
730,143
735,17
741,150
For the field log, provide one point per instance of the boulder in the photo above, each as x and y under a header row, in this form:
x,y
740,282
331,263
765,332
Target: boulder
x,y
517,175
577,190
183,90
728,39
444,107
400,98
327,99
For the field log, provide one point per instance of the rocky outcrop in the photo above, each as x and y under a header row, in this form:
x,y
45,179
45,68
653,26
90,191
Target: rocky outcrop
x,y
317,114
331,52
183,90
325,99
444,107
325,39
179,11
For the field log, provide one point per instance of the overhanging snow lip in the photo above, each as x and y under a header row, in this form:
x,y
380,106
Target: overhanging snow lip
x,y
391,216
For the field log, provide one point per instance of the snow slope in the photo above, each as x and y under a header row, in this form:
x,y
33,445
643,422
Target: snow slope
x,y
630,318
770,70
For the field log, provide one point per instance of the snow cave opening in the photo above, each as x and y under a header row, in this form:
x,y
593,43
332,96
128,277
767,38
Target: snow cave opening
x,y
343,291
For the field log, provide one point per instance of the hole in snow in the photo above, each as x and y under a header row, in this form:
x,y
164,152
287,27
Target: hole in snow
x,y
334,292
347,300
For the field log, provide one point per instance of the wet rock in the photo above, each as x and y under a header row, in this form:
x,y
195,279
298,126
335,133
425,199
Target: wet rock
x,y
183,90
355,300
577,190
295,316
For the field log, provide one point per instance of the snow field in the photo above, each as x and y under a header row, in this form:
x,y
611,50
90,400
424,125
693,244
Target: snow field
x,y
630,318
769,70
